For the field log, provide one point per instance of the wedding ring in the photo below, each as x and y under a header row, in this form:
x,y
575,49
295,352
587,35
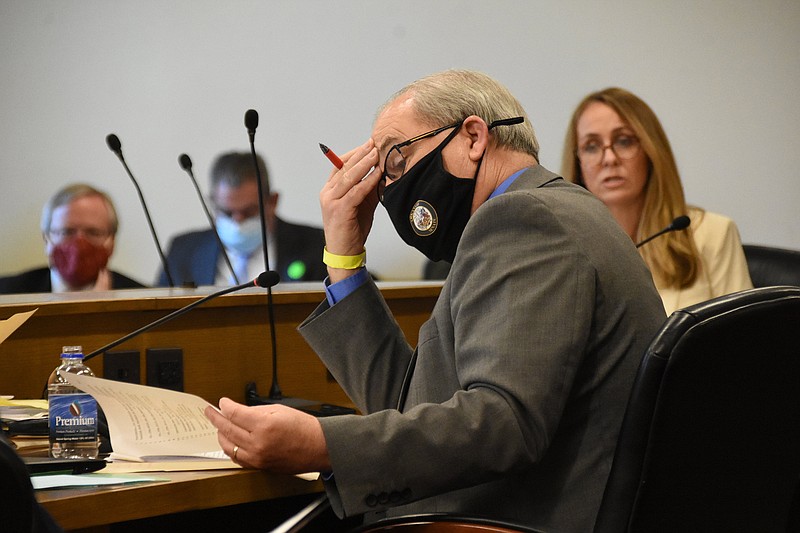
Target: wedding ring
x,y
235,451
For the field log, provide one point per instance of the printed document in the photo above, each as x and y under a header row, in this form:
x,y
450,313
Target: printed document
x,y
149,423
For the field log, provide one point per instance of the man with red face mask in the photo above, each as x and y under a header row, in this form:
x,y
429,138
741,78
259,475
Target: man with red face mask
x,y
79,224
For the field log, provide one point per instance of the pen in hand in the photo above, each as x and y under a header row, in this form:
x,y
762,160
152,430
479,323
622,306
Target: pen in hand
x,y
333,158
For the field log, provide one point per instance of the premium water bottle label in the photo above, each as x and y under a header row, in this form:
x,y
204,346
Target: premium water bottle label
x,y
73,417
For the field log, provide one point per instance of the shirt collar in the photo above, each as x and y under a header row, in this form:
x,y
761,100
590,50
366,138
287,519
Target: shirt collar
x,y
506,183
57,283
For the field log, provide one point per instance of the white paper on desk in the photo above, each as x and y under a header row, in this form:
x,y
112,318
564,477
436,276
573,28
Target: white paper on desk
x,y
10,325
84,480
148,421
171,465
22,409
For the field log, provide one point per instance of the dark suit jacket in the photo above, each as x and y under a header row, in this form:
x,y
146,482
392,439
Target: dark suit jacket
x,y
511,404
193,257
38,280
18,507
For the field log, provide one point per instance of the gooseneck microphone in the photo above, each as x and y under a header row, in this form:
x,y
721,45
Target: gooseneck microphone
x,y
275,395
264,280
251,123
680,223
116,146
186,164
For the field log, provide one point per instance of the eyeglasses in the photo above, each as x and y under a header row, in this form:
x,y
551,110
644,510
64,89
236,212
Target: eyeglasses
x,y
250,211
394,165
93,235
624,147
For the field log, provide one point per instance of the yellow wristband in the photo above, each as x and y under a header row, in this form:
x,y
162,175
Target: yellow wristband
x,y
349,262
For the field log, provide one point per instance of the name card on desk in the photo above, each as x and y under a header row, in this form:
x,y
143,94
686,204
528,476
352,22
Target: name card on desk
x,y
10,325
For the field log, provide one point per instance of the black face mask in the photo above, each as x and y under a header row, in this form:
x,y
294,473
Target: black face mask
x,y
430,207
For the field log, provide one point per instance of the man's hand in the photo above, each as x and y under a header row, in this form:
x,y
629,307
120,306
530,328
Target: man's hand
x,y
103,282
270,437
348,202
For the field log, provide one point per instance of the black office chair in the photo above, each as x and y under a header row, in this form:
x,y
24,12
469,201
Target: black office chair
x,y
710,440
771,266
19,510
441,523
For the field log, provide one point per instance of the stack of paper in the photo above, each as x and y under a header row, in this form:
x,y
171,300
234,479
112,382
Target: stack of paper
x,y
149,424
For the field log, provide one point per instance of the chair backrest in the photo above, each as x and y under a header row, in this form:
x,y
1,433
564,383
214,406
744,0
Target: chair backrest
x,y
17,503
710,440
441,523
19,510
770,266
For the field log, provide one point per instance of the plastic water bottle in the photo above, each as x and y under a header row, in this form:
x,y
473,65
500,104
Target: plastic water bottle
x,y
72,413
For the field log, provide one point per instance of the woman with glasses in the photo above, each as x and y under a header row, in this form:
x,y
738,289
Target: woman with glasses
x,y
616,148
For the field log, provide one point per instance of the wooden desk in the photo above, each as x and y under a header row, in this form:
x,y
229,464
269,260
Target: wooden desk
x,y
100,507
225,342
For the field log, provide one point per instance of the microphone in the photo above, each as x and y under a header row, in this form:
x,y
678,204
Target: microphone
x,y
251,123
186,164
680,223
264,280
116,146
275,395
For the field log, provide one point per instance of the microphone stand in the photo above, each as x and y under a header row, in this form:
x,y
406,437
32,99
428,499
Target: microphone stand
x,y
653,236
275,394
267,279
116,146
251,122
679,223
186,164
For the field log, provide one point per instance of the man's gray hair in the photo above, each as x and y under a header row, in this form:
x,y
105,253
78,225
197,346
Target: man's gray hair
x,y
71,193
450,96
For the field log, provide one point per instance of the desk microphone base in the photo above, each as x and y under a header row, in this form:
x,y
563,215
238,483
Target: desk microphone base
x,y
307,406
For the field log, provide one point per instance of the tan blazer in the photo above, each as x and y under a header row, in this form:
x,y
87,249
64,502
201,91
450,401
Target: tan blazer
x,y
723,267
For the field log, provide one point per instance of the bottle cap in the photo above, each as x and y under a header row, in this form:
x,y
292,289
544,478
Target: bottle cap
x,y
72,351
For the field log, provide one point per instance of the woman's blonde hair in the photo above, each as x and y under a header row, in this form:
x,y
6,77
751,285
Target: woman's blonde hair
x,y
673,258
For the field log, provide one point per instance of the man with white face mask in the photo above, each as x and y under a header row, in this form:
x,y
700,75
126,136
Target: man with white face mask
x,y
79,224
295,251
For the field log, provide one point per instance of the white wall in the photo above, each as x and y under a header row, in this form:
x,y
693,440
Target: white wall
x,y
177,76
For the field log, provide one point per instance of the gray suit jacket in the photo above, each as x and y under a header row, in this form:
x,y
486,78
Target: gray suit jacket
x,y
511,404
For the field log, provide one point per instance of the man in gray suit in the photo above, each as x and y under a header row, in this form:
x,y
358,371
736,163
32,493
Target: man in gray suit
x,y
511,403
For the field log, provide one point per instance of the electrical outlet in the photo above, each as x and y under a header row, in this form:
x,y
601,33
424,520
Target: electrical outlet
x,y
122,366
165,368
